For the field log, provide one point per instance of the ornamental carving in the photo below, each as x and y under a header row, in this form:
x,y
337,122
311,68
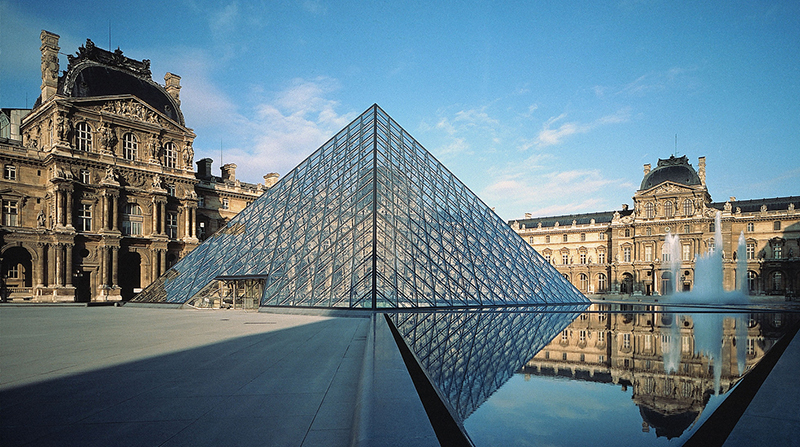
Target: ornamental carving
x,y
131,108
91,53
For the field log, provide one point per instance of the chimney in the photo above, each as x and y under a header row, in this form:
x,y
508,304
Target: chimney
x,y
701,171
204,168
646,168
271,179
172,83
49,51
228,172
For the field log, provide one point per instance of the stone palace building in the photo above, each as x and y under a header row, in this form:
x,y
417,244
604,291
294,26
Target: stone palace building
x,y
622,251
99,194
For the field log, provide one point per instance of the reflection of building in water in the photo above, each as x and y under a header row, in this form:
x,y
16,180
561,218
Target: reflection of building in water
x,y
609,345
622,251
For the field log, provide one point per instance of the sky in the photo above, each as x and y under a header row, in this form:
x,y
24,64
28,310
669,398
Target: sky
x,y
541,107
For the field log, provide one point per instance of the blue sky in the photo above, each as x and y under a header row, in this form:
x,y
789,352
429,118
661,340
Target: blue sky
x,y
539,107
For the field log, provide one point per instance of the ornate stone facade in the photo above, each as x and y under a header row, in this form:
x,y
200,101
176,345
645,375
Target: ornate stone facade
x,y
99,194
622,251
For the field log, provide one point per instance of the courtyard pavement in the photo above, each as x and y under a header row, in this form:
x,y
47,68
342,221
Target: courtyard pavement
x,y
124,376
127,376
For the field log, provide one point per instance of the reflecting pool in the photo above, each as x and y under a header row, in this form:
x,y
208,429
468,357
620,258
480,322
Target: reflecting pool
x,y
602,374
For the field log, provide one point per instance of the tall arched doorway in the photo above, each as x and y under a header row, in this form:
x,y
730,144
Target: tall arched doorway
x,y
17,272
626,286
130,274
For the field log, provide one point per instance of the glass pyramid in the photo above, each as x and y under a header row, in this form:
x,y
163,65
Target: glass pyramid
x,y
369,220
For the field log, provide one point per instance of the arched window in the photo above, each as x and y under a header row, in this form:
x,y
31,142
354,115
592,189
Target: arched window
x,y
169,155
668,211
584,282
777,281
83,137
688,207
752,280
130,146
132,220
649,211
602,282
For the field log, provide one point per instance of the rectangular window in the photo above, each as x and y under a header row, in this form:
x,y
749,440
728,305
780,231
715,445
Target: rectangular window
x,y
582,335
547,258
626,254
201,201
583,237
10,213
225,203
171,190
686,252
686,344
85,217
583,258
564,238
10,173
626,341
751,227
777,252
776,225
648,253
601,337
601,236
601,257
172,225
687,229
751,251
565,258
85,176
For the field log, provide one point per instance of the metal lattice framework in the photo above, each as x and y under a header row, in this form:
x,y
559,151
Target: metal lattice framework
x,y
470,353
369,220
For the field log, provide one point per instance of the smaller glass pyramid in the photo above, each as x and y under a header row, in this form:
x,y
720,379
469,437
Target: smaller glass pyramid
x,y
369,220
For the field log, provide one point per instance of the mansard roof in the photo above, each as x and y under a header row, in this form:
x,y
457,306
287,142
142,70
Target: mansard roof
x,y
566,220
674,169
754,205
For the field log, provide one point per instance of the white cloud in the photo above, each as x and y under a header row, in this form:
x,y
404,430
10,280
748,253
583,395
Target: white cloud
x,y
550,136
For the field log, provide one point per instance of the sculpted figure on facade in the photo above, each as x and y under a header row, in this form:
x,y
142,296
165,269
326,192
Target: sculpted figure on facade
x,y
188,155
61,127
108,138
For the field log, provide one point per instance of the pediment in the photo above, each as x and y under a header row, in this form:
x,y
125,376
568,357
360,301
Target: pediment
x,y
130,107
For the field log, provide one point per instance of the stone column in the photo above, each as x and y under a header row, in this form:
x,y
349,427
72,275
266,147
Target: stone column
x,y
68,265
186,222
162,209
114,212
115,266
154,255
154,217
102,277
68,207
59,263
39,273
193,227
162,262
59,210
104,219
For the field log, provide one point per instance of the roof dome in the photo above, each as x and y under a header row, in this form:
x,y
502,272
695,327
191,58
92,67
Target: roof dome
x,y
675,170
97,72
105,81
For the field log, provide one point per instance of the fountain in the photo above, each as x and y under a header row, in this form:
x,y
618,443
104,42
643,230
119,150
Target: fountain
x,y
708,272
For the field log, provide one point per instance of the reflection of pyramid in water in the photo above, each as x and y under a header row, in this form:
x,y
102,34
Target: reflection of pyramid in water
x,y
468,354
369,220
